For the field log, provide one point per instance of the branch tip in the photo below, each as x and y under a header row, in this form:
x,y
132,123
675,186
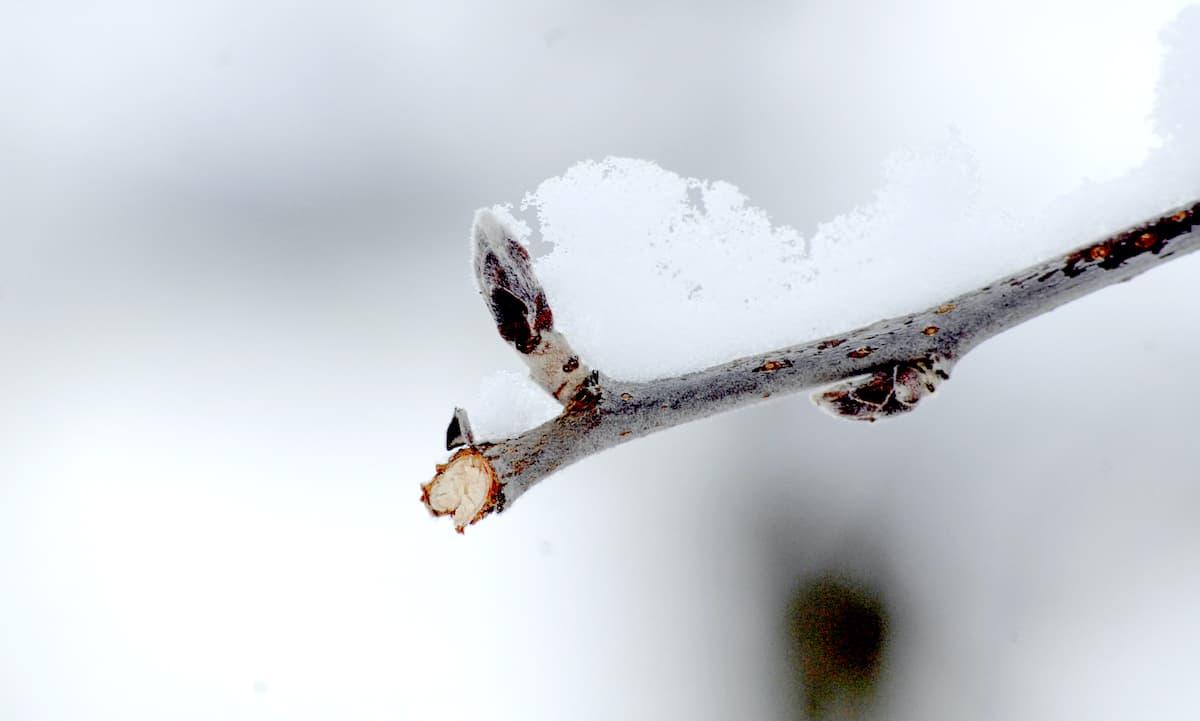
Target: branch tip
x,y
519,307
512,292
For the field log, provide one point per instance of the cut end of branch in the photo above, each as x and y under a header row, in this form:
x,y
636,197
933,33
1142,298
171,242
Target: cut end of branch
x,y
465,488
885,393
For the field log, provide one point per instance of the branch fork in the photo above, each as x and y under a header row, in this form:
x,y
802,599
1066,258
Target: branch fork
x,y
870,373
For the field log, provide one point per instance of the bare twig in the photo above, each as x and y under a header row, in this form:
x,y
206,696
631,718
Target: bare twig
x,y
880,370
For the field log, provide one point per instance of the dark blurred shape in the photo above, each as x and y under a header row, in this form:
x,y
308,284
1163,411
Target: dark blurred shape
x,y
838,632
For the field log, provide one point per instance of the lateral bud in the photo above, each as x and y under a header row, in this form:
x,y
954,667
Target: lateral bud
x,y
458,433
885,393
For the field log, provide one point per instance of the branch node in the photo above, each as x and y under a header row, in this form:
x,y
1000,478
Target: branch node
x,y
587,396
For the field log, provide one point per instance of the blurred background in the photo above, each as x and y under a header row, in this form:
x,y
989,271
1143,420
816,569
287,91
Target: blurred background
x,y
236,314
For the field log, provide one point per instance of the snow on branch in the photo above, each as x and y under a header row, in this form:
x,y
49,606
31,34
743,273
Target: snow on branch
x,y
872,372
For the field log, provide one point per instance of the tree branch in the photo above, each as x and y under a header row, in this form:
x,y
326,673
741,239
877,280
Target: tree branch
x,y
878,371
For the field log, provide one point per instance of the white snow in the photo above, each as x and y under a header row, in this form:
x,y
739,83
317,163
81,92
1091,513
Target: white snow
x,y
507,404
653,273
638,249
